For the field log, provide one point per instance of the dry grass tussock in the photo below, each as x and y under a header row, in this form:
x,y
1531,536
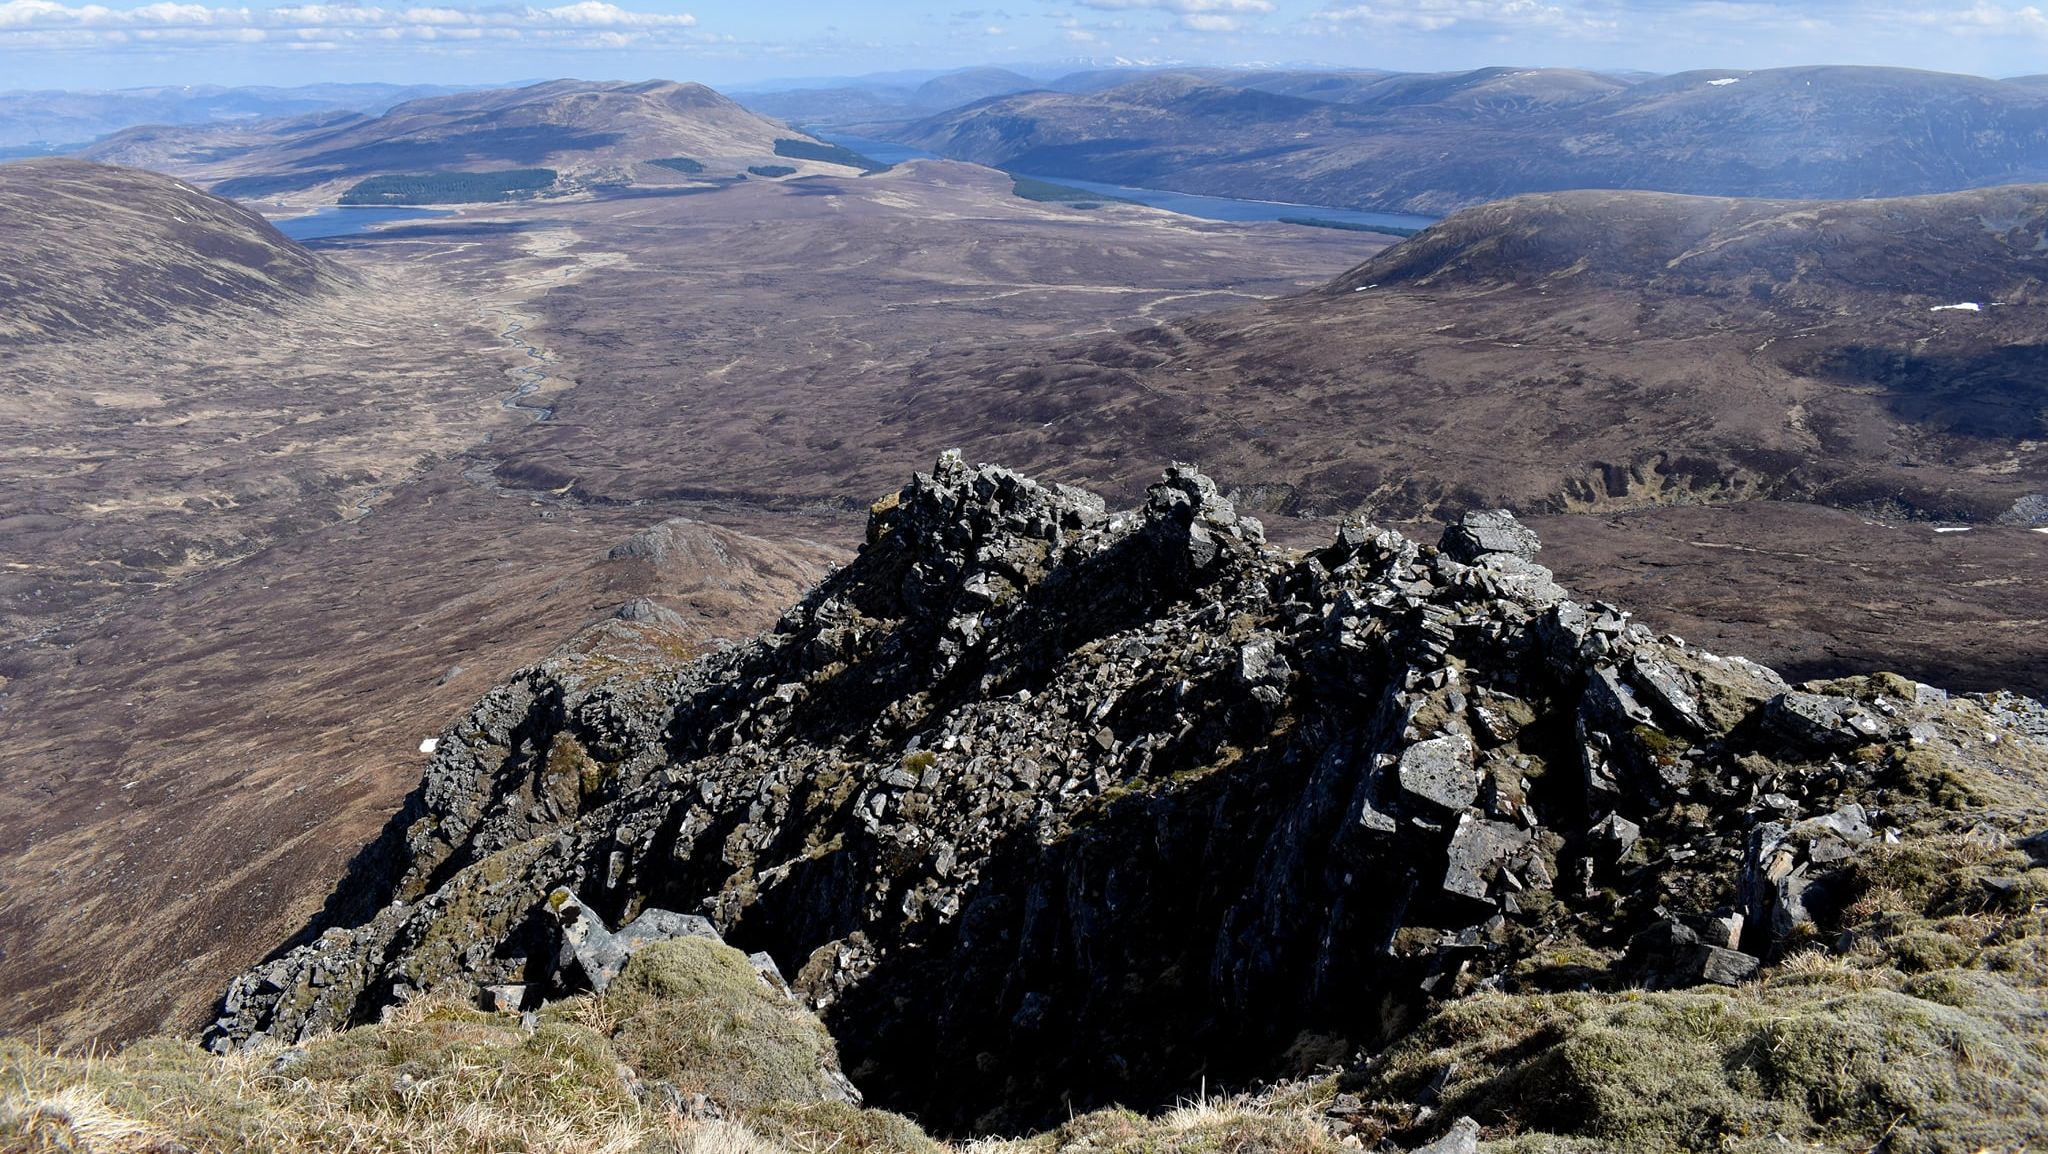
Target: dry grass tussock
x,y
438,1077
1209,1127
461,1092
195,1102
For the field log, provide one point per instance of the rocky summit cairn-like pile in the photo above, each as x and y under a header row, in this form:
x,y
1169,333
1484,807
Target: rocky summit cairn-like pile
x,y
1043,806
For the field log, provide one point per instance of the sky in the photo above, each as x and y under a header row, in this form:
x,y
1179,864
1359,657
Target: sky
x,y
79,44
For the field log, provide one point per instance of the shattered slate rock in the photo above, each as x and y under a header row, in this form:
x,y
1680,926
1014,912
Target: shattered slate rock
x,y
505,999
1616,837
1462,1138
1478,848
1822,723
1492,531
1042,806
1726,967
1786,868
598,954
1673,955
1722,929
1440,770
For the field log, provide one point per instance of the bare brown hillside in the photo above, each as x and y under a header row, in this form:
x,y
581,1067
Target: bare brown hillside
x,y
591,134
90,249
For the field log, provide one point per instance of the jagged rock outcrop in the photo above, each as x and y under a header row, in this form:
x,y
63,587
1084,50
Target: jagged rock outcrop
x,y
1044,806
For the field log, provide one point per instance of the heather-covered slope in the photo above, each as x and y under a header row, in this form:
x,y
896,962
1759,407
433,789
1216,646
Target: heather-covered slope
x,y
89,250
1583,351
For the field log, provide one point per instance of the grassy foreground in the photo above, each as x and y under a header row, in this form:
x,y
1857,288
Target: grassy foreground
x,y
1915,1021
687,1053
1925,1031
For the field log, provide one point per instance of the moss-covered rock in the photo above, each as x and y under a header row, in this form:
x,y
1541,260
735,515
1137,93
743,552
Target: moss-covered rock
x,y
694,1013
840,1128
1953,1062
1196,1129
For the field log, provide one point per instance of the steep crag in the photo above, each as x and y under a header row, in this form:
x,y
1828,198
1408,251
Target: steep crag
x,y
1043,806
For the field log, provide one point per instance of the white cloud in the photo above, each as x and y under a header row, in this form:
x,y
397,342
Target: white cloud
x,y
1182,6
584,24
596,12
1981,17
1719,20
1437,15
1196,15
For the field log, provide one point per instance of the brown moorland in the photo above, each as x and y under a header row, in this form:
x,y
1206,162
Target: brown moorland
x,y
767,358
1757,422
209,707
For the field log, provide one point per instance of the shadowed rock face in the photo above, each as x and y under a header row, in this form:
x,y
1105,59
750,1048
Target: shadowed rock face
x,y
1041,805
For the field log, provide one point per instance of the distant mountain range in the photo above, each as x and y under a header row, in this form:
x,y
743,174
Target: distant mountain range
x,y
870,100
579,134
36,121
1436,143
857,102
1412,142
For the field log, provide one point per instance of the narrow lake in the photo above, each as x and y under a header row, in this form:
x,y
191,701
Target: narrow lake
x,y
1185,203
349,220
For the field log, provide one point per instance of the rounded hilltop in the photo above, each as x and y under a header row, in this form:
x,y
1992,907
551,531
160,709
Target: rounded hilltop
x,y
93,248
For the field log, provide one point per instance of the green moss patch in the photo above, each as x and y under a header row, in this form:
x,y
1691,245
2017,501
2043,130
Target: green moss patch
x,y
818,1127
694,1013
1702,1070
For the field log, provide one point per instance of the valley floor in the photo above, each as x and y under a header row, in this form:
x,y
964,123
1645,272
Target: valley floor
x,y
207,709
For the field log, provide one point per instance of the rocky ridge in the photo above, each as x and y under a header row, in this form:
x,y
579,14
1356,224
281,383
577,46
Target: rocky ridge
x,y
1043,806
